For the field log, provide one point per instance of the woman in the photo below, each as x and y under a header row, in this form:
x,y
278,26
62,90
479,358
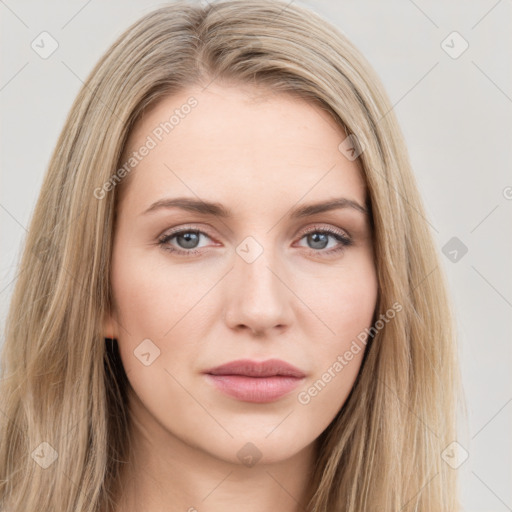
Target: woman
x,y
229,296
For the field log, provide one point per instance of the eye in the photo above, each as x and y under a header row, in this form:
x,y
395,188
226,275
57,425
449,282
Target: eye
x,y
318,240
187,241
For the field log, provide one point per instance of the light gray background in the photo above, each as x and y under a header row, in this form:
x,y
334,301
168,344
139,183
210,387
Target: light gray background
x,y
455,114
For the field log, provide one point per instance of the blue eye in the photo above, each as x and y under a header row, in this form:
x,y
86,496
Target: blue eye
x,y
319,238
187,241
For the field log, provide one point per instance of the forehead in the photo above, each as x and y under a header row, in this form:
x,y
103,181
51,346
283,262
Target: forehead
x,y
242,143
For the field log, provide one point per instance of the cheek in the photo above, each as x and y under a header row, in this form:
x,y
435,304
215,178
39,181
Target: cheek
x,y
151,298
162,304
137,302
143,313
343,300
346,306
155,335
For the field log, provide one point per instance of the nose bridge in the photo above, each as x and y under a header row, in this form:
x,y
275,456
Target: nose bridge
x,y
256,263
259,299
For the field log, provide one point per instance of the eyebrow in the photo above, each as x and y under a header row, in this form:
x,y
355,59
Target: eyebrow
x,y
216,209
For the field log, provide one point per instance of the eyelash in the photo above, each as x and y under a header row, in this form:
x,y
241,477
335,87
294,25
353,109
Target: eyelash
x,y
345,241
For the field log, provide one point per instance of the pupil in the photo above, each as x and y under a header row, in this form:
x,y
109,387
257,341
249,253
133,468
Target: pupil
x,y
319,238
190,239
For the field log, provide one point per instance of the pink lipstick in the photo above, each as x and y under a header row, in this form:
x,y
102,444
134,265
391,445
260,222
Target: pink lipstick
x,y
253,381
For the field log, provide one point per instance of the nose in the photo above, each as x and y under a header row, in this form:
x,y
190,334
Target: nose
x,y
258,295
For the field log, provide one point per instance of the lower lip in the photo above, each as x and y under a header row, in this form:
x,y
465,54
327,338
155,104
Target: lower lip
x,y
254,389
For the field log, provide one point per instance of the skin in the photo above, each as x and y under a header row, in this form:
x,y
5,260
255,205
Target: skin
x,y
260,155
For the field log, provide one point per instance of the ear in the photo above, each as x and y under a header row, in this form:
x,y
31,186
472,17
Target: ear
x,y
109,325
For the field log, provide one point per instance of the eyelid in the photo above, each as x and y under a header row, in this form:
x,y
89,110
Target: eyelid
x,y
324,227
184,227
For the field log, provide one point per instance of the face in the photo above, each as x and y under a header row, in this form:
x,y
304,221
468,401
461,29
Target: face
x,y
240,269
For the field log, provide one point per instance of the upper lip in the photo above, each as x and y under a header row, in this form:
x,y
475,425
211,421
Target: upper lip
x,y
268,368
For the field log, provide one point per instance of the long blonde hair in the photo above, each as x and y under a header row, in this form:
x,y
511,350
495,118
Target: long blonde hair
x,y
64,386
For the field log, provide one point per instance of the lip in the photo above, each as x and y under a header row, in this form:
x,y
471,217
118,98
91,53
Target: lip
x,y
255,381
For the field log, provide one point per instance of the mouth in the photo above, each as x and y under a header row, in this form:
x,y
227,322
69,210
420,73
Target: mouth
x,y
253,381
